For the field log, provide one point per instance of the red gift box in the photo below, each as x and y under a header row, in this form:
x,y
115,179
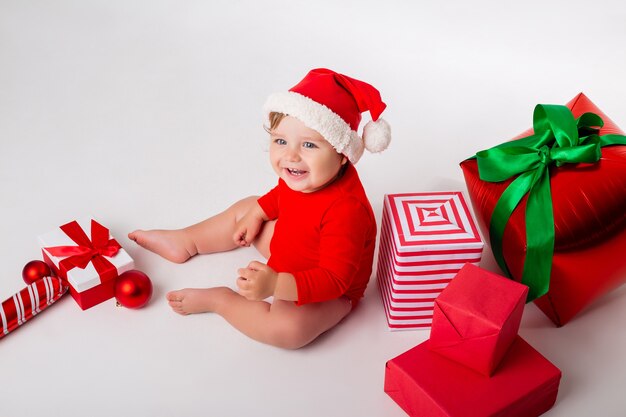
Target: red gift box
x,y
424,383
84,254
588,201
476,318
425,239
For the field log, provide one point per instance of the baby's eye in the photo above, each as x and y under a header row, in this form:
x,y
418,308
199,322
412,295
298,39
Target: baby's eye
x,y
309,145
280,141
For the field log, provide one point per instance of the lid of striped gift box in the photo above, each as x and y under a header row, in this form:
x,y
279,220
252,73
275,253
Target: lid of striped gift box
x,y
431,224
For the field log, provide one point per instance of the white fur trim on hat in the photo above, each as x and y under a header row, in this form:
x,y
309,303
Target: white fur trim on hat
x,y
320,118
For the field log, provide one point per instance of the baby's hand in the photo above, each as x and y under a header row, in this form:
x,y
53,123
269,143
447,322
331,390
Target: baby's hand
x,y
247,228
240,237
257,281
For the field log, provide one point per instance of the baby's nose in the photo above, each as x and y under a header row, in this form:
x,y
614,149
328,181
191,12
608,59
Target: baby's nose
x,y
293,154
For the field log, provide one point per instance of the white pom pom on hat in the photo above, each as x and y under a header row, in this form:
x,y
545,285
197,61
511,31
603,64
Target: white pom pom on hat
x,y
331,104
377,135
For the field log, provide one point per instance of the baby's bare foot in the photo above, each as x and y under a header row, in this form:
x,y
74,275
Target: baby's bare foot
x,y
170,244
197,300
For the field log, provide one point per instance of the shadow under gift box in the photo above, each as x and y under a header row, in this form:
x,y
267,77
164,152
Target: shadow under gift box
x,y
589,203
425,383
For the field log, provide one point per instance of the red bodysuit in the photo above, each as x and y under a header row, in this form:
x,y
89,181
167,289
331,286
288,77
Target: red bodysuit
x,y
326,238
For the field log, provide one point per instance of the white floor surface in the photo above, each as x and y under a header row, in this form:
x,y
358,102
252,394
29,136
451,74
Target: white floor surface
x,y
147,114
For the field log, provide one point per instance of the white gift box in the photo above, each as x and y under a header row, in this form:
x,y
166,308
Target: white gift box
x,y
95,282
425,239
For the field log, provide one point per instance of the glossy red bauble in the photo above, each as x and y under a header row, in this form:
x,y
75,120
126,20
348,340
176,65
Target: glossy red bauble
x,y
133,289
35,270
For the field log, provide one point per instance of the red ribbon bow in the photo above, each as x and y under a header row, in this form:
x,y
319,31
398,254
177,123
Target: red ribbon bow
x,y
88,250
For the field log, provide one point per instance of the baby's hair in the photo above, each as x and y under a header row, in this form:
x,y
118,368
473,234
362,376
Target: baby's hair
x,y
275,118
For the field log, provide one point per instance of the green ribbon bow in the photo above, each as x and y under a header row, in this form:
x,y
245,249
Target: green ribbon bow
x,y
558,139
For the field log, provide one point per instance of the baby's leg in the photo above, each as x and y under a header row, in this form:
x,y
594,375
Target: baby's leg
x,y
197,300
281,324
173,245
214,234
291,327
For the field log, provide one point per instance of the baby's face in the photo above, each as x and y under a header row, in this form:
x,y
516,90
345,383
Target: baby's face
x,y
302,157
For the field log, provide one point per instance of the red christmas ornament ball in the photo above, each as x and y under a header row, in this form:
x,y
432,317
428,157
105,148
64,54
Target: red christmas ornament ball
x,y
133,289
35,270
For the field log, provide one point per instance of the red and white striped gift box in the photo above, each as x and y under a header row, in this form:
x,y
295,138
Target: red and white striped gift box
x,y
29,301
425,239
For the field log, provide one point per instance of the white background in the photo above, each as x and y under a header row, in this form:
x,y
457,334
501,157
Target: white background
x,y
146,114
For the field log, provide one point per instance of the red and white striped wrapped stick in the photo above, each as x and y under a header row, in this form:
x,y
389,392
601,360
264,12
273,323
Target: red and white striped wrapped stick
x,y
28,302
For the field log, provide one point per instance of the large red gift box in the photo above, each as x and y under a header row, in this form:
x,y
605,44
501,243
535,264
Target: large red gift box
x,y
588,201
84,254
425,240
477,317
425,383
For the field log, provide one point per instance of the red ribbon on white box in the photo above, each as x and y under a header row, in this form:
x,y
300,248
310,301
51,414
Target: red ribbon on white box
x,y
83,253
94,250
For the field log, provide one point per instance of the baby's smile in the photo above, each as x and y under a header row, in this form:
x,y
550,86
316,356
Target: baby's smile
x,y
295,172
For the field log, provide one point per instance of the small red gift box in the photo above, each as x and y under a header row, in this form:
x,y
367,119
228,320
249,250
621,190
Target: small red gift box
x,y
424,383
476,318
89,263
587,205
425,240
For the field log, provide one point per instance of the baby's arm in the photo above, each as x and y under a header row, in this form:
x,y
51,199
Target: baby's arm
x,y
248,227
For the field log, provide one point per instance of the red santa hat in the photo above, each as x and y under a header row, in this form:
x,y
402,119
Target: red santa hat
x,y
331,104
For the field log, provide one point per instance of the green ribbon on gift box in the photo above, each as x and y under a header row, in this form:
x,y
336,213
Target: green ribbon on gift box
x,y
558,139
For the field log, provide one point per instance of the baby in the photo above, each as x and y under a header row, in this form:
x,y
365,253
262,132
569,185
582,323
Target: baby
x,y
316,227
